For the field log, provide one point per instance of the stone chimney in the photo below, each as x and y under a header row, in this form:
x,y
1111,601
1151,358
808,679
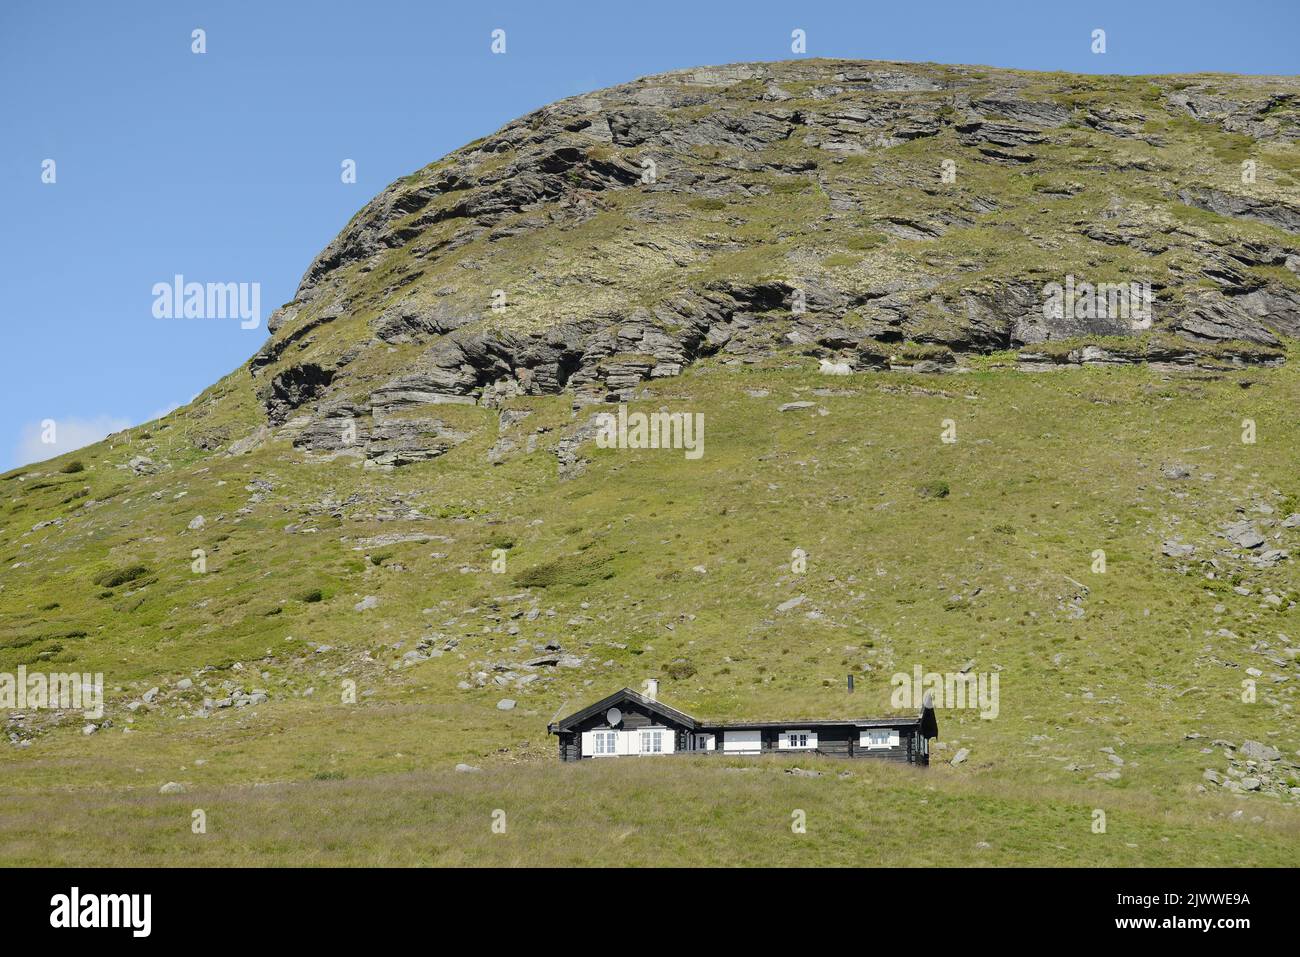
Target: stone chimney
x,y
652,689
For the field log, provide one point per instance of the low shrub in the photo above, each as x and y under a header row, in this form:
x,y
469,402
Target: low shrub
x,y
120,576
935,489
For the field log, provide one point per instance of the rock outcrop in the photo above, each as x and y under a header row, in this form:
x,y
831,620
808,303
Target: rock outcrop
x,y
844,212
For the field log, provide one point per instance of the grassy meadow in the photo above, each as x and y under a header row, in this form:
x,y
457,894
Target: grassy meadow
x,y
919,552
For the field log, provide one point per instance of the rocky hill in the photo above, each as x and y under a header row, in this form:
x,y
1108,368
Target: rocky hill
x,y
388,544
869,213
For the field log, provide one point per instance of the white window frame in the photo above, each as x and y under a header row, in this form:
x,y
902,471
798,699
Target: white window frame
x,y
653,736
867,734
606,744
797,741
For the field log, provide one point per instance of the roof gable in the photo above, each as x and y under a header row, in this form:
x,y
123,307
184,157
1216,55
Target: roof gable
x,y
622,695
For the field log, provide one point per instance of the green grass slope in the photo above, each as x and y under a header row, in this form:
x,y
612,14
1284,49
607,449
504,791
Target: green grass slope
x,y
650,564
304,642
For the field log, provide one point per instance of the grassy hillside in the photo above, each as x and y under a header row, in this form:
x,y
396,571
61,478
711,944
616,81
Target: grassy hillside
x,y
1146,659
314,591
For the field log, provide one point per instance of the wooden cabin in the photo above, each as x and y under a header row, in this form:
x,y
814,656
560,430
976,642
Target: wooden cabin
x,y
628,723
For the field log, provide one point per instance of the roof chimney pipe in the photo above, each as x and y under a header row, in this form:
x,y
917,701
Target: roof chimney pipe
x,y
929,724
850,684
652,689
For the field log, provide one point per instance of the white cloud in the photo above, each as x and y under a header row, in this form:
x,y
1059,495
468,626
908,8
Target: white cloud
x,y
68,434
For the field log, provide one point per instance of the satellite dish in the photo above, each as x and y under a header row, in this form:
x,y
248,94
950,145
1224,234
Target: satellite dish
x,y
613,716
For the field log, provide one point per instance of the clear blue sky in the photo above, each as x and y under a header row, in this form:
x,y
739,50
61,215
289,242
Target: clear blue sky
x,y
224,167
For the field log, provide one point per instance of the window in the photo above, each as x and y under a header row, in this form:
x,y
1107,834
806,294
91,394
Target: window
x,y
742,742
652,742
606,742
797,740
878,738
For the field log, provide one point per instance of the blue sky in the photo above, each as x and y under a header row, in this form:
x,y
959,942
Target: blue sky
x,y
224,167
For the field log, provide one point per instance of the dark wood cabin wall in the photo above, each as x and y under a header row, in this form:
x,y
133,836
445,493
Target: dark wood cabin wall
x,y
570,746
834,741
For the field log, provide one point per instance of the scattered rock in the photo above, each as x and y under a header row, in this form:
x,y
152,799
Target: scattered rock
x,y
1255,751
142,465
1243,535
